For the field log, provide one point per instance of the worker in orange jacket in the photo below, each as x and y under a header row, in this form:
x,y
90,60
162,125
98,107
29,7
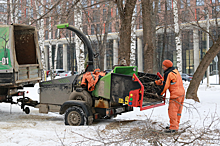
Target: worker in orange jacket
x,y
172,80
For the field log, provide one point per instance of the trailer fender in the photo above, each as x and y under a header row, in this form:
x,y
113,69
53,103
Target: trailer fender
x,y
86,108
81,96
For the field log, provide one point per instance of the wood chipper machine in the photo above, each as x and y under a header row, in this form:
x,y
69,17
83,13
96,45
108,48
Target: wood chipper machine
x,y
116,92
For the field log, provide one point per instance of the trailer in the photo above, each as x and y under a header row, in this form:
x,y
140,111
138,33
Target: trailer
x,y
20,64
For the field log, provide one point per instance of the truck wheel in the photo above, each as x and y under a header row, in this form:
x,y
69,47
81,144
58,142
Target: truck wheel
x,y
84,96
74,116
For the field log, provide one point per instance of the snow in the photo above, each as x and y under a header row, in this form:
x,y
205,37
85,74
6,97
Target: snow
x,y
19,129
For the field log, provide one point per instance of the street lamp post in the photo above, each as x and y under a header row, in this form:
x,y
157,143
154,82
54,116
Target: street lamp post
x,y
207,44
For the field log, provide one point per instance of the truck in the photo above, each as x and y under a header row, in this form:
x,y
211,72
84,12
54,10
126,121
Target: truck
x,y
117,92
20,63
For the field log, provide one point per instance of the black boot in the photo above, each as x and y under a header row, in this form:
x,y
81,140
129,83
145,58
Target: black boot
x,y
170,131
167,127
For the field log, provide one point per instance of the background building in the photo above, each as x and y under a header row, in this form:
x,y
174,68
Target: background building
x,y
97,15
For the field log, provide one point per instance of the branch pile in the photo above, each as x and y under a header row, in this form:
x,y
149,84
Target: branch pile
x,y
151,91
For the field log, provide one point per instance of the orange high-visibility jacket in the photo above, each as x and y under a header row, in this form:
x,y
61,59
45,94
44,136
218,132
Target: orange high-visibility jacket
x,y
172,80
92,78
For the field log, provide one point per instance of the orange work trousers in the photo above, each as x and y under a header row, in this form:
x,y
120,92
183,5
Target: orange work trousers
x,y
174,111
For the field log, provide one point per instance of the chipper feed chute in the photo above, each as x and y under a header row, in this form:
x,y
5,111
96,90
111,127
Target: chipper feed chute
x,y
145,97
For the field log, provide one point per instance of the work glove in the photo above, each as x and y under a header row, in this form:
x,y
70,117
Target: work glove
x,y
151,83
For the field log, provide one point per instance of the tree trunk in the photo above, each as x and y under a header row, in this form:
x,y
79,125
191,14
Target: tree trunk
x,y
177,37
41,39
125,13
78,43
133,40
198,75
56,50
164,38
154,18
11,11
147,36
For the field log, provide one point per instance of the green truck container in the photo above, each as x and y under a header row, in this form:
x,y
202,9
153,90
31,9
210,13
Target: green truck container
x,y
20,63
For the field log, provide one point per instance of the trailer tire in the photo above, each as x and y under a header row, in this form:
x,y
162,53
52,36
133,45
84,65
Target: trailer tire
x,y
84,96
27,110
74,116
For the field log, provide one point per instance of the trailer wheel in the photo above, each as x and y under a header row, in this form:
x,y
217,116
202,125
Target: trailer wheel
x,y
27,110
74,116
84,96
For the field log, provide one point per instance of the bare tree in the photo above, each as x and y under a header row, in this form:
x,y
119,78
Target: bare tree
x,y
100,20
148,34
177,36
125,9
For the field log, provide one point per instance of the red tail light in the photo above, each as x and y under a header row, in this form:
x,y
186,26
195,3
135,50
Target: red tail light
x,y
65,74
20,93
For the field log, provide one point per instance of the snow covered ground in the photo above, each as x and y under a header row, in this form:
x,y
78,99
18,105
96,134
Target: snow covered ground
x,y
19,129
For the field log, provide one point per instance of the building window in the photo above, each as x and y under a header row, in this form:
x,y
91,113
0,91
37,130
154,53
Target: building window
x,y
197,14
56,34
140,22
67,5
199,2
32,13
109,14
47,23
213,1
67,33
86,17
97,29
84,3
1,8
26,12
46,35
47,7
58,9
141,9
159,6
27,2
92,3
215,11
39,9
117,26
85,31
96,16
181,4
188,2
92,29
104,14
185,15
51,33
19,14
169,4
110,27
